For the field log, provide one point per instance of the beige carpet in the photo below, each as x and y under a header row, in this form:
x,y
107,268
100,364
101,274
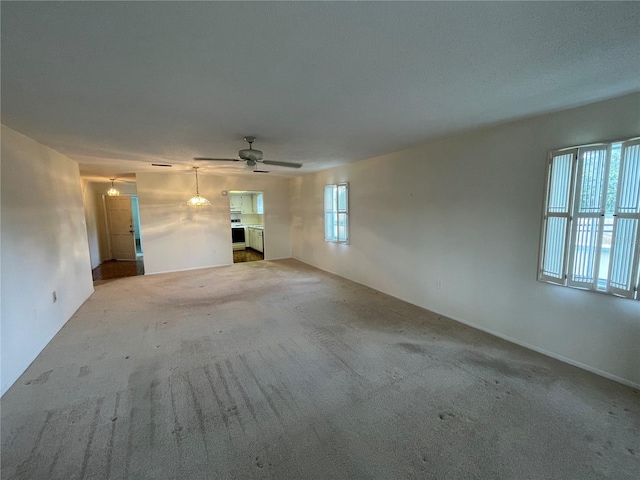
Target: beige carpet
x,y
278,370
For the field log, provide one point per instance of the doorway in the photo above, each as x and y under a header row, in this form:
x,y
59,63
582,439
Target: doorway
x,y
247,225
124,239
120,227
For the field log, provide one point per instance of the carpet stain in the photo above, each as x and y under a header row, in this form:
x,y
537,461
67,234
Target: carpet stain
x,y
498,366
42,378
261,463
446,415
195,346
322,388
412,347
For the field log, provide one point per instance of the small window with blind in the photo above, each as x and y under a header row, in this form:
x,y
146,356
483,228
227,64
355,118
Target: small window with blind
x,y
591,227
336,213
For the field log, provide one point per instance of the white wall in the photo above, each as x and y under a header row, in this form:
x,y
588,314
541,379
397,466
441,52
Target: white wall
x,y
466,210
44,249
92,215
177,237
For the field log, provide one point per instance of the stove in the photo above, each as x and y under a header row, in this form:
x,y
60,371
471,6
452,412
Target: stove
x,y
238,234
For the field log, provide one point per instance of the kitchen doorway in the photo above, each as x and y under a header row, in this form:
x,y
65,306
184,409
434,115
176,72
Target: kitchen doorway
x,y
246,209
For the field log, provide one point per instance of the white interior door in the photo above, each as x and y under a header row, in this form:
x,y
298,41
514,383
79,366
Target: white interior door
x,y
123,245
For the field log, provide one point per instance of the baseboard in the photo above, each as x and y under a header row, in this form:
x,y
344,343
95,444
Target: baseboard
x,y
547,353
188,269
6,386
209,266
542,351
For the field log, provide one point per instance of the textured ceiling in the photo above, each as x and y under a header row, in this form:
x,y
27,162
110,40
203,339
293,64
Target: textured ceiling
x,y
119,85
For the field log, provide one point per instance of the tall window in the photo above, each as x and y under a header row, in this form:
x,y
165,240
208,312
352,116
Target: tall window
x,y
336,213
591,228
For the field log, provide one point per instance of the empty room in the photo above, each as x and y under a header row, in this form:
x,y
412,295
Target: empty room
x,y
317,240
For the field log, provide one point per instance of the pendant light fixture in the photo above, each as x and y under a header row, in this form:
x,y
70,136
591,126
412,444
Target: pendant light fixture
x,y
197,200
113,192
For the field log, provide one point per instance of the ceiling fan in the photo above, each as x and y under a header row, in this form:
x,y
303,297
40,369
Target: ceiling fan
x,y
252,158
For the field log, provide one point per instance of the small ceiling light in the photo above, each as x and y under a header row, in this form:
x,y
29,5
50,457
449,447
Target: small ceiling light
x,y
113,192
197,200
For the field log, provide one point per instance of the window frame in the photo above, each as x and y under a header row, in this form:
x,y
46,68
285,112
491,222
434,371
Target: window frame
x,y
558,268
336,212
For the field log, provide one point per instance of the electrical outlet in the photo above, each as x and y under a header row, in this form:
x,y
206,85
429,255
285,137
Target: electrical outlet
x,y
439,284
54,295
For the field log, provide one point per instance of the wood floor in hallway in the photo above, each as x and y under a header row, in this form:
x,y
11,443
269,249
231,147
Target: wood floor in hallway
x,y
277,370
112,269
247,255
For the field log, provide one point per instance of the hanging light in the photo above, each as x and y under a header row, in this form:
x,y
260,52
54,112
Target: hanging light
x,y
113,191
197,200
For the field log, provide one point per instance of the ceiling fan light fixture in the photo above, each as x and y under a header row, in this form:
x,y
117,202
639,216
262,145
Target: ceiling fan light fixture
x,y
113,191
197,200
251,157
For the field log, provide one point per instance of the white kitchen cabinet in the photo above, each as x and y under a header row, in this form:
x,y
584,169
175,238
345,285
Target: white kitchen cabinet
x,y
247,204
256,239
259,241
235,203
242,204
250,237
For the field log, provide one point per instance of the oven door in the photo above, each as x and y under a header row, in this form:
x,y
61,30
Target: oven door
x,y
237,235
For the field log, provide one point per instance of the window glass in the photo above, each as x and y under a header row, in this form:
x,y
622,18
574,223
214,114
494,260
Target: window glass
x,y
336,213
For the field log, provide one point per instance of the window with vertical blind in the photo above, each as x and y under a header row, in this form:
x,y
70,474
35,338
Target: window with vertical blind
x,y
591,226
336,213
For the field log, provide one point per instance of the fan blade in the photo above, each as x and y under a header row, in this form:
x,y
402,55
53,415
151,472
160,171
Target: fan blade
x,y
216,159
281,164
